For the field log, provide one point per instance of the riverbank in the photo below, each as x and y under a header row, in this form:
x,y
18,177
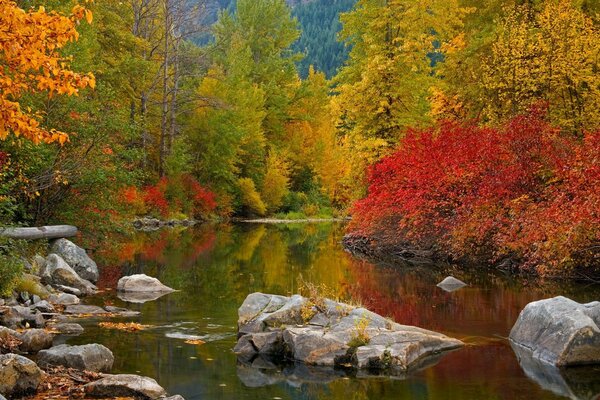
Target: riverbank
x,y
289,221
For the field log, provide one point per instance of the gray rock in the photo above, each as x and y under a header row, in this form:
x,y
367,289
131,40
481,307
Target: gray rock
x,y
84,309
451,284
2,302
66,328
77,258
559,331
18,375
64,299
35,299
140,297
22,317
175,397
43,306
37,264
142,283
34,340
89,357
58,272
68,289
330,338
10,341
125,386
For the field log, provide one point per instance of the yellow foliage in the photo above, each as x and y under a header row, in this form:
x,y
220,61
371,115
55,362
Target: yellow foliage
x,y
276,182
30,62
250,197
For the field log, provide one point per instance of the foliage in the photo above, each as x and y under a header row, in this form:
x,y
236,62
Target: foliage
x,y
11,264
250,198
276,182
360,336
522,191
30,62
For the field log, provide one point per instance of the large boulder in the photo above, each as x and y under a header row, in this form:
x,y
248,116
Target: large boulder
x,y
89,357
111,386
77,258
22,317
142,283
58,272
559,331
323,332
18,375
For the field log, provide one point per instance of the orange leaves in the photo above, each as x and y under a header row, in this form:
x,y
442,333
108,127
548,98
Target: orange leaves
x,y
29,42
121,326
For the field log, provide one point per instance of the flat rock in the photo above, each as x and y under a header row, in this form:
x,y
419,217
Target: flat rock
x,y
450,284
77,258
68,289
18,375
142,283
67,328
84,309
58,272
560,331
64,299
125,386
334,334
43,306
89,357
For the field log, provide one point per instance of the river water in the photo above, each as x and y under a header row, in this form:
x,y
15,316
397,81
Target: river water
x,y
216,267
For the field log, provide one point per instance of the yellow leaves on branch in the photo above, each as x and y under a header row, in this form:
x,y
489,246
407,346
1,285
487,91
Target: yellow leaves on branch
x,y
30,63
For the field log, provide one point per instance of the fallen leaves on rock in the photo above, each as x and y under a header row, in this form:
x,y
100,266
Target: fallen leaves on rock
x,y
60,383
122,326
8,344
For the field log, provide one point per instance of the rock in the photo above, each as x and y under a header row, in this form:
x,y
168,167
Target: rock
x,y
35,299
34,340
450,284
140,297
58,272
22,317
2,302
24,297
77,258
84,309
64,299
43,306
125,386
560,331
124,312
176,397
37,264
67,328
68,289
9,340
89,357
336,334
18,375
142,283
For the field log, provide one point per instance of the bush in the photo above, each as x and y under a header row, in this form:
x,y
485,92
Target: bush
x,y
11,265
523,191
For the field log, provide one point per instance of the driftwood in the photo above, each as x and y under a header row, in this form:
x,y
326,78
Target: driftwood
x,y
42,232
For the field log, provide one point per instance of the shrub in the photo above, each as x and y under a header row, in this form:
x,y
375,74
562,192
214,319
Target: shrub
x,y
11,265
522,190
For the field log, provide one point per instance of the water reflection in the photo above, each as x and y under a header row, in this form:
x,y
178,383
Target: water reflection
x,y
217,267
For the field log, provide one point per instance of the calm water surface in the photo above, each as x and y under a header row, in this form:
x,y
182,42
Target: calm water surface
x,y
215,268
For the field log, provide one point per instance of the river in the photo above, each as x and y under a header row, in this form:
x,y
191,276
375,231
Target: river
x,y
216,267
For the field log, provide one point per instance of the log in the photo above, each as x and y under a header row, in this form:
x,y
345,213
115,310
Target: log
x,y
41,232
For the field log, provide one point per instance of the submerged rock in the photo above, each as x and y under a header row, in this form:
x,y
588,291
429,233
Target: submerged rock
x,y
89,357
451,284
125,386
66,328
18,375
560,331
332,334
142,283
140,297
58,272
64,299
77,258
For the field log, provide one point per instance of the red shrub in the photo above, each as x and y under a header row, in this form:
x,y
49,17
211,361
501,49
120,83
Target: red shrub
x,y
522,190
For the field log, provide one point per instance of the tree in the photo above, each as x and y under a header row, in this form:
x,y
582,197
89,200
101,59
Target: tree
x,y
30,62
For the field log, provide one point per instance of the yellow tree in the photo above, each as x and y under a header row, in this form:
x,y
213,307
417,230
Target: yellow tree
x,y
549,55
30,62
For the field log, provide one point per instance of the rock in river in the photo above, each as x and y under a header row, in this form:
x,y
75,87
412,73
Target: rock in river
x,y
328,333
89,357
77,258
18,375
125,386
450,284
34,340
142,283
559,331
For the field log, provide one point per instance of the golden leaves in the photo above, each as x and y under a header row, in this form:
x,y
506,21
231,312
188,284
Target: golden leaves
x,y
127,327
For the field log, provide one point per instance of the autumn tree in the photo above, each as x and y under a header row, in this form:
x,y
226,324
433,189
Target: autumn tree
x,y
29,55
549,55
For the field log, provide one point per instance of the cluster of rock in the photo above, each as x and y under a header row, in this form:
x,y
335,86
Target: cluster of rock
x,y
30,322
324,332
152,224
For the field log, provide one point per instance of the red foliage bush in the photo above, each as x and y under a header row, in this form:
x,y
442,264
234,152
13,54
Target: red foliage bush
x,y
522,190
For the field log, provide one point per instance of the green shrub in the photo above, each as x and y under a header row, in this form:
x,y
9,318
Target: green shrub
x,y
11,264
